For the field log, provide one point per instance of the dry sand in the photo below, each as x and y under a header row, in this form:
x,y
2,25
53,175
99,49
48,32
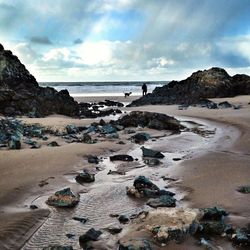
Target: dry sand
x,y
210,179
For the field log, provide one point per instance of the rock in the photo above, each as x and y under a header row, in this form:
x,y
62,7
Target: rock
x,y
53,144
140,137
20,93
212,227
206,244
33,207
225,105
213,213
168,224
72,129
93,159
58,247
123,219
152,162
14,143
85,177
176,159
141,182
121,158
90,235
87,139
113,136
162,201
114,229
143,187
63,198
135,244
151,120
70,236
211,83
146,152
205,103
108,129
80,219
242,237
116,172
244,189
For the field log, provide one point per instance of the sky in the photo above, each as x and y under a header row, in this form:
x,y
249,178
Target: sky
x,y
125,40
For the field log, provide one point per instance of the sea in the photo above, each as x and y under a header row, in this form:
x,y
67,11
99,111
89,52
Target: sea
x,y
88,89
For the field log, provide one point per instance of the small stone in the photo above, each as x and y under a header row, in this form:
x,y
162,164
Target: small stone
x,y
123,219
53,144
33,207
82,220
85,177
93,159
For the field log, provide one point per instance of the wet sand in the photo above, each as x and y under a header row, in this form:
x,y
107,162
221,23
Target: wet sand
x,y
206,177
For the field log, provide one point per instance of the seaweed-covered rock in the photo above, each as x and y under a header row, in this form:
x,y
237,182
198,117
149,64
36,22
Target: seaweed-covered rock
x,y
213,213
242,237
162,201
141,182
151,120
85,177
244,189
63,198
146,152
212,227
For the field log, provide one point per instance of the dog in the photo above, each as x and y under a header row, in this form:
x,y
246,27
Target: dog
x,y
127,94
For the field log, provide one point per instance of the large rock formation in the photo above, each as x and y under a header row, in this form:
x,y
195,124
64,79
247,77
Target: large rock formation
x,y
20,93
212,83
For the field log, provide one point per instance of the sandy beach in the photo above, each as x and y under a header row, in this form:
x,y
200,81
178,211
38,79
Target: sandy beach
x,y
208,175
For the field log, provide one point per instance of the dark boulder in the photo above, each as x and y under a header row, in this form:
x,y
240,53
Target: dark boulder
x,y
123,219
20,93
211,83
224,105
86,239
53,144
213,213
85,177
93,159
140,137
146,152
121,158
141,182
151,120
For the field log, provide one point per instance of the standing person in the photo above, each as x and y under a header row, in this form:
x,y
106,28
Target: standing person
x,y
144,89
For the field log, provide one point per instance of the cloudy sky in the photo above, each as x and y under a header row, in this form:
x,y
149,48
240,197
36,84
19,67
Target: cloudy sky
x,y
102,40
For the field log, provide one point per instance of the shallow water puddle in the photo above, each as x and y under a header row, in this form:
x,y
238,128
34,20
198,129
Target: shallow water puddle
x,y
107,195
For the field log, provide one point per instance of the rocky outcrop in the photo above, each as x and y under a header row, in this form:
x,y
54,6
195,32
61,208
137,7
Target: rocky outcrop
x,y
212,83
20,93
